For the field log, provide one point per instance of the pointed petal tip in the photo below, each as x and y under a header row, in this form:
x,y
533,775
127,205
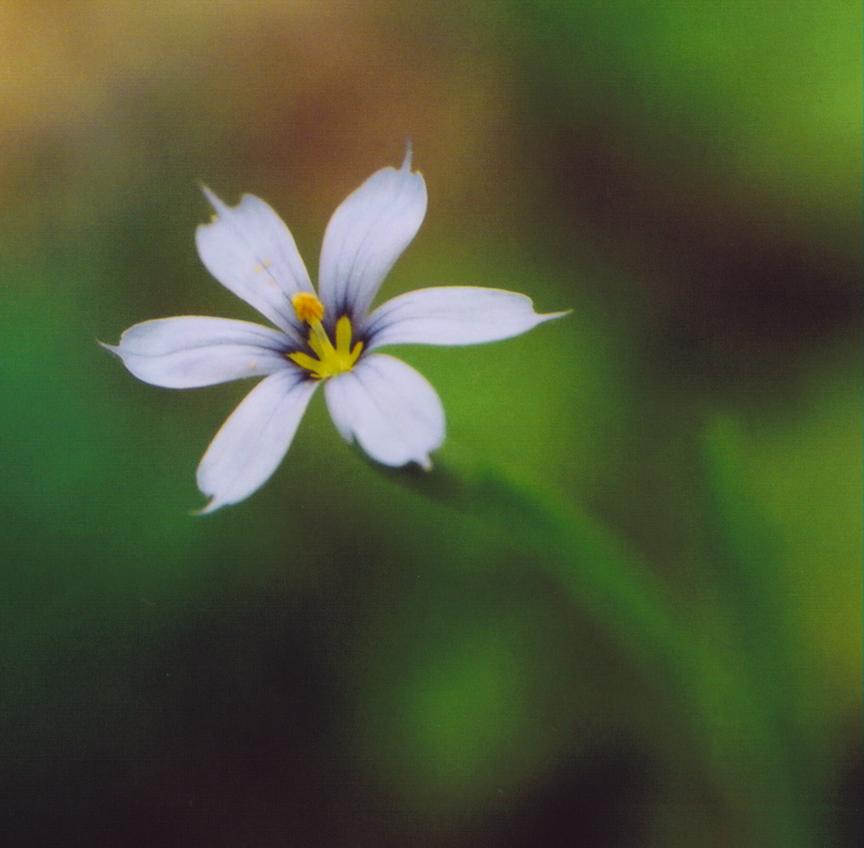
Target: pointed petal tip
x,y
115,349
551,316
409,155
208,508
212,199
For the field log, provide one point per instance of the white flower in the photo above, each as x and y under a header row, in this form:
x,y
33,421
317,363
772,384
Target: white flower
x,y
331,338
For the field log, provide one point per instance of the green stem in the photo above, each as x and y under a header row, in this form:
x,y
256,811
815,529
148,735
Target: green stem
x,y
611,584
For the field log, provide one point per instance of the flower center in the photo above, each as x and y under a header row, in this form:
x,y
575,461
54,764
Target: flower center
x,y
332,360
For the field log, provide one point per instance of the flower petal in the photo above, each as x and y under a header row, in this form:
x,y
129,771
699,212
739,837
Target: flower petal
x,y
366,235
191,351
252,253
452,315
392,411
251,443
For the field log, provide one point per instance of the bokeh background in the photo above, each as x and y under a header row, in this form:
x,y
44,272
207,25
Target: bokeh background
x,y
624,611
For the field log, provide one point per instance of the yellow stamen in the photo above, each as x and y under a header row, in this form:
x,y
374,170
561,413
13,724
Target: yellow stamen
x,y
307,307
331,360
305,361
343,333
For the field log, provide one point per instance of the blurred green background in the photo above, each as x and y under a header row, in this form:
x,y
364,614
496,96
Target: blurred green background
x,y
625,611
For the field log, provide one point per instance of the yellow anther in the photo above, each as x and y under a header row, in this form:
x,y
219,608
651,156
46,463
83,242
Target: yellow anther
x,y
308,308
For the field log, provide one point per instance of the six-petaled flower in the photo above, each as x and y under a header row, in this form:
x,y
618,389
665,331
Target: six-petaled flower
x,y
328,338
